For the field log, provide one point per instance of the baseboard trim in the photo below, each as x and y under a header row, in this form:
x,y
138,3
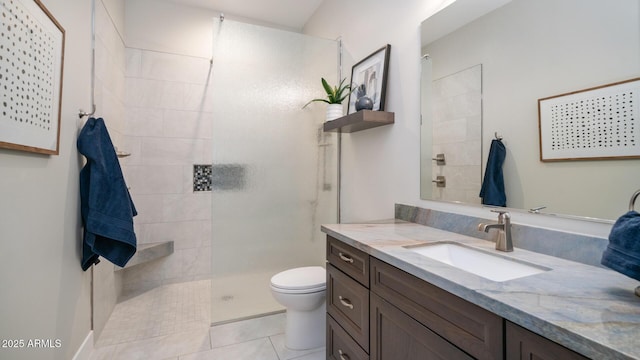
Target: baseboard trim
x,y
85,350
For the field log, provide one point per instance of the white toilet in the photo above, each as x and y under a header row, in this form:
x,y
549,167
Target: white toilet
x,y
302,291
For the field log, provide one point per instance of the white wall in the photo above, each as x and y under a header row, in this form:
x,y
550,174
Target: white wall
x,y
381,166
45,294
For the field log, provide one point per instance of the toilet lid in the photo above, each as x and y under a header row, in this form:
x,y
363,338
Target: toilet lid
x,y
311,278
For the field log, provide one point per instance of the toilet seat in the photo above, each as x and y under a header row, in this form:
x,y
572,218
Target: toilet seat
x,y
302,280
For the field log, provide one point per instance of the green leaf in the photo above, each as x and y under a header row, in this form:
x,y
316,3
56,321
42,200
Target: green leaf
x,y
335,94
327,87
314,100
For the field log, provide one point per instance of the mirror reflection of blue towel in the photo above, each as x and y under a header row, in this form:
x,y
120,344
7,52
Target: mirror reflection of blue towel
x,y
623,252
105,204
492,191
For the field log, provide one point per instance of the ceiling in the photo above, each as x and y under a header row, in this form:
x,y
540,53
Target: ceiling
x,y
286,13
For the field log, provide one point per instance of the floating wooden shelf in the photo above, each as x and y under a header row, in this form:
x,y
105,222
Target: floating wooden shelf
x,y
361,120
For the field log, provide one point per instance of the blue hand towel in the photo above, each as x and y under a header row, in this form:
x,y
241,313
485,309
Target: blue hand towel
x,y
492,191
623,252
105,203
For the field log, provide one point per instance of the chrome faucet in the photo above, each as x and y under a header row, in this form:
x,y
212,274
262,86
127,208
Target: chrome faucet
x,y
504,241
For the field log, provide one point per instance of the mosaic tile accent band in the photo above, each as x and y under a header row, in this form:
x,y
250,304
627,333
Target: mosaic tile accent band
x,y
202,177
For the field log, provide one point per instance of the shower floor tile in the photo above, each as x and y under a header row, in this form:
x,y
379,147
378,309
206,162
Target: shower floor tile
x,y
242,296
162,311
172,322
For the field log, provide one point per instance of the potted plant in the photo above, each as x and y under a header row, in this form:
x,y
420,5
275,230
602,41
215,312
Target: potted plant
x,y
335,95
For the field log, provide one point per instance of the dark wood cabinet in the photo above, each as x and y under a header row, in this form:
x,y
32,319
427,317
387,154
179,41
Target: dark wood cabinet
x,y
523,344
340,345
397,336
379,312
348,304
349,260
469,327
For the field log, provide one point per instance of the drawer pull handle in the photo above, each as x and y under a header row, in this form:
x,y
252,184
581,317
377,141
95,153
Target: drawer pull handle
x,y
346,302
343,356
345,258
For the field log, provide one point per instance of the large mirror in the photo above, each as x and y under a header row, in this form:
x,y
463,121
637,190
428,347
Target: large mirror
x,y
518,53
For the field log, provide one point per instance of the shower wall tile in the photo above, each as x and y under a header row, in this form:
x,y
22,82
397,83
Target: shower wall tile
x,y
197,98
474,126
168,95
174,68
465,153
172,266
145,122
454,131
154,179
465,177
457,132
112,110
460,106
142,277
186,207
149,208
133,145
144,93
184,234
187,124
160,151
207,153
133,59
196,261
169,129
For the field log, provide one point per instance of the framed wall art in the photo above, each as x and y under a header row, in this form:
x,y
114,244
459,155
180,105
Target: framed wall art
x,y
369,77
592,124
32,59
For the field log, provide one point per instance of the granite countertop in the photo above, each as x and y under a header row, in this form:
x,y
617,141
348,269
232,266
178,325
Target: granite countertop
x,y
590,310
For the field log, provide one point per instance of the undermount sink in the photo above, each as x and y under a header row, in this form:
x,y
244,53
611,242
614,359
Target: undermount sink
x,y
478,262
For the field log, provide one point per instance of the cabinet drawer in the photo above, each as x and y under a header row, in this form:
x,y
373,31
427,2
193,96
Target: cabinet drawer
x,y
476,331
350,260
340,345
524,344
395,335
348,304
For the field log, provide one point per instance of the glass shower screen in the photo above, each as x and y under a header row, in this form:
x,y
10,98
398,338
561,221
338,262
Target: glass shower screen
x,y
274,170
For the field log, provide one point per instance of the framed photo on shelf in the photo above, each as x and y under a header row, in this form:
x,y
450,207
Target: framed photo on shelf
x,y
369,77
32,44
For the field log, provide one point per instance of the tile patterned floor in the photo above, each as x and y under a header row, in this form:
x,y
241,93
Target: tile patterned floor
x,y
172,323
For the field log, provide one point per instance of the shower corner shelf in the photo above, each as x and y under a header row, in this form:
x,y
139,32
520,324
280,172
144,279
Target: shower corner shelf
x,y
361,120
149,252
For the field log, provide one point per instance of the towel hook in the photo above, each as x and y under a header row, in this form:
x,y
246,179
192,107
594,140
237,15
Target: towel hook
x,y
82,113
498,137
632,202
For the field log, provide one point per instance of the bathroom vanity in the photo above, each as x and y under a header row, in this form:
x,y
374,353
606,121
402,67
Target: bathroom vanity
x,y
386,301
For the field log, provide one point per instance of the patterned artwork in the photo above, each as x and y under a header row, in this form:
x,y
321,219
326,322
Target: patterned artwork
x,y
31,53
598,123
